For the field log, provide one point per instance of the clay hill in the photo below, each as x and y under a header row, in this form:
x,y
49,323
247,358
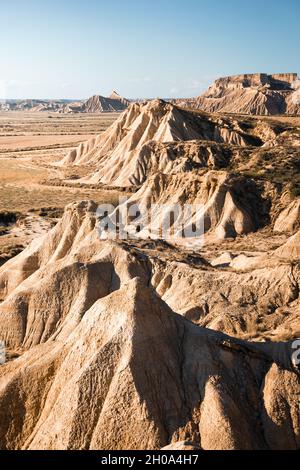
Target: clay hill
x,y
99,104
156,136
256,94
220,203
160,137
103,342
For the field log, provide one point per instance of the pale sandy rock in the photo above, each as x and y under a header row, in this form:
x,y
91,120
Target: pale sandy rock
x,y
183,445
133,147
65,264
287,139
51,283
291,249
101,104
116,96
223,260
259,300
106,363
97,104
168,158
56,276
289,218
293,102
244,262
256,94
280,411
221,205
134,375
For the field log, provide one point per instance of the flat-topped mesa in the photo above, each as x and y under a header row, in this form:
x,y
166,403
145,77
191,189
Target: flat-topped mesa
x,y
282,78
256,94
280,81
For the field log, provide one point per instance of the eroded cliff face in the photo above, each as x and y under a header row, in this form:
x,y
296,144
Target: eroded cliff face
x,y
279,82
255,94
108,361
157,136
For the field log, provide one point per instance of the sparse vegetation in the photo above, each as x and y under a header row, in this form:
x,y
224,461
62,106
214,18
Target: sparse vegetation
x,y
26,166
8,253
8,218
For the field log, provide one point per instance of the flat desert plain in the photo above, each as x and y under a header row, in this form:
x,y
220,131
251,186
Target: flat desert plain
x,y
29,145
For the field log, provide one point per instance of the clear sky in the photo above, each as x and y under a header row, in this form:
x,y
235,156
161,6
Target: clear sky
x,y
74,49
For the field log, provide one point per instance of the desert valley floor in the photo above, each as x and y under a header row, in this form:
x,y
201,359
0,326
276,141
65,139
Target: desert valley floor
x,y
29,144
145,343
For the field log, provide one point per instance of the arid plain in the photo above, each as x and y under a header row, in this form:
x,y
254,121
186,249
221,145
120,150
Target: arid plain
x,y
29,144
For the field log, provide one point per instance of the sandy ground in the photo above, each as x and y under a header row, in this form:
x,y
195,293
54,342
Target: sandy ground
x,y
29,145
23,143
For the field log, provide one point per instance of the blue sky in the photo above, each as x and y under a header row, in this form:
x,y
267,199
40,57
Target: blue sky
x,y
73,49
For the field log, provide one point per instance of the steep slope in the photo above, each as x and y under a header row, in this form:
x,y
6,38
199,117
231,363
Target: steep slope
x,y
101,104
54,281
291,249
257,94
289,218
148,379
259,300
168,158
49,286
106,364
215,203
115,96
132,148
293,101
97,104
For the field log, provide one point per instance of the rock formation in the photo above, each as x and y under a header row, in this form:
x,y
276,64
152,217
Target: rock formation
x,y
289,218
106,363
259,94
158,136
182,445
291,249
35,105
101,104
115,96
220,205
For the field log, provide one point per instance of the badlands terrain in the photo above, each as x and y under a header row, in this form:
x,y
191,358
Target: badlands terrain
x,y
95,104
151,340
254,94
